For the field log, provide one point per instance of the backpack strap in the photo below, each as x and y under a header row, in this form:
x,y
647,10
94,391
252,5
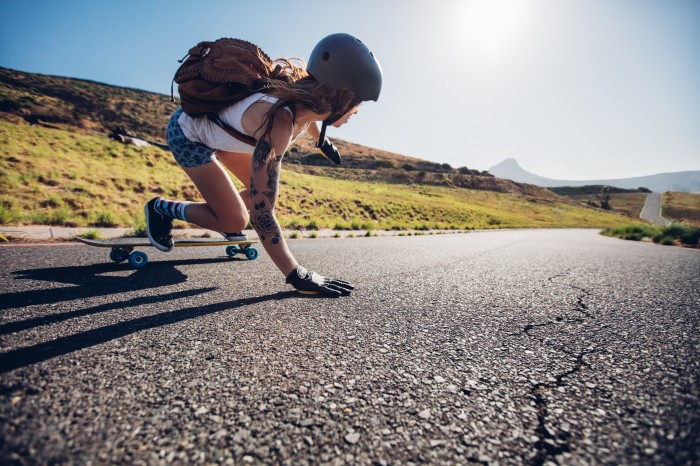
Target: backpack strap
x,y
231,131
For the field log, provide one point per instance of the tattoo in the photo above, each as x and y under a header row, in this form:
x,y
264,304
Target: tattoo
x,y
273,173
266,223
263,212
260,154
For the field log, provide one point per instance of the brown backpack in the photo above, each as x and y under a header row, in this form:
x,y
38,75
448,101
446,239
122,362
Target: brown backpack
x,y
215,75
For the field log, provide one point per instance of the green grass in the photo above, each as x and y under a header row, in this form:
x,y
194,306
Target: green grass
x,y
360,206
675,234
633,232
91,234
58,177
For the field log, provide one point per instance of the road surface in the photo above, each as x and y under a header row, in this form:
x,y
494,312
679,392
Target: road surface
x,y
652,210
510,347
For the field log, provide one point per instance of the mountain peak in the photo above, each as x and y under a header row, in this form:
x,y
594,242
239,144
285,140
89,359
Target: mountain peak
x,y
508,163
688,181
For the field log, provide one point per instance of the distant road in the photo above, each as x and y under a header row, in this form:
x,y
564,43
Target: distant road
x,y
652,210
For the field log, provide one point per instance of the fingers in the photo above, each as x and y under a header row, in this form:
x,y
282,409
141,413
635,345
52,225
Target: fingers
x,y
312,283
331,291
342,287
340,283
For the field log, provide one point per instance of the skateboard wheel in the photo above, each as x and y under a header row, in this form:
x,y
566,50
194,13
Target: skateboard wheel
x,y
232,250
118,255
138,259
251,253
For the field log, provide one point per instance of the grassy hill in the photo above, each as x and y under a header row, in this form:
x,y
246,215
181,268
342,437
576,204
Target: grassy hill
x,y
59,167
58,177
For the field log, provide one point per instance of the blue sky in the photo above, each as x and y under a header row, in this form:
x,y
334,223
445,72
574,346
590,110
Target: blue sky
x,y
573,89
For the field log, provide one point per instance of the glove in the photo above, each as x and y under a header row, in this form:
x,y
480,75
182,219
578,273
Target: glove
x,y
312,283
329,150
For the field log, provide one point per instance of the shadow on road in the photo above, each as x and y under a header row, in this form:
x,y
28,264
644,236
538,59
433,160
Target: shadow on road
x,y
44,351
11,327
89,282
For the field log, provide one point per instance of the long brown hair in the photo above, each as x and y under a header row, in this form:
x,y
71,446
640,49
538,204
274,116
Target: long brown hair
x,y
294,86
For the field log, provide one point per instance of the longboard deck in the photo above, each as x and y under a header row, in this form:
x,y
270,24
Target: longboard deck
x,y
123,248
144,242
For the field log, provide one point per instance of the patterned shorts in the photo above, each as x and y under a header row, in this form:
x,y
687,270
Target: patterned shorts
x,y
187,153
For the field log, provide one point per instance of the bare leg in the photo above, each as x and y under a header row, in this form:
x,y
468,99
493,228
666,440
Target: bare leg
x,y
240,165
224,210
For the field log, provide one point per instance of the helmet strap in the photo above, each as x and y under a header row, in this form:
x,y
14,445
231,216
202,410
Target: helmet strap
x,y
323,134
335,116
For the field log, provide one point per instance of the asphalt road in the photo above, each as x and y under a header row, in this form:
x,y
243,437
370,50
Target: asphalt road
x,y
651,211
510,347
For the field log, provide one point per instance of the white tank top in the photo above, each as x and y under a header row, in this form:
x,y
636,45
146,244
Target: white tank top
x,y
206,132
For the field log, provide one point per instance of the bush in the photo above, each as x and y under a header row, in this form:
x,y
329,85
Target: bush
x,y
139,229
689,236
91,234
632,232
383,163
664,240
6,215
105,220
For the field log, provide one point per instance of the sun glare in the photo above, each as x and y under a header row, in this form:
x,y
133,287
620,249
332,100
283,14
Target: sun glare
x,y
491,28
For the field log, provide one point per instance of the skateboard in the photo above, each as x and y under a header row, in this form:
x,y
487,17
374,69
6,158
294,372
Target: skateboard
x,y
123,248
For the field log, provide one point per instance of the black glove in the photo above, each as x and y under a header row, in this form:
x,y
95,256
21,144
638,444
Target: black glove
x,y
329,150
312,283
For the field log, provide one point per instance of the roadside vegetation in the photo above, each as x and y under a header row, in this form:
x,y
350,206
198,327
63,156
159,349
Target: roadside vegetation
x,y
681,207
627,201
59,177
59,167
677,234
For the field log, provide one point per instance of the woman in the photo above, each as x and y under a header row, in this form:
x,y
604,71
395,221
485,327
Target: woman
x,y
341,73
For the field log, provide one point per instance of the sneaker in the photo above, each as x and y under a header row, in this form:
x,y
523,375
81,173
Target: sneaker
x,y
158,227
237,236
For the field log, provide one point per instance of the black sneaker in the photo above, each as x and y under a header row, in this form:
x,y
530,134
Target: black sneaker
x,y
235,236
158,227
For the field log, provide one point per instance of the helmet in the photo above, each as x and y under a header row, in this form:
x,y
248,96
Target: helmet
x,y
342,61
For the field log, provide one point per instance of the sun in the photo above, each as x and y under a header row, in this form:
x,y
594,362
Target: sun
x,y
491,29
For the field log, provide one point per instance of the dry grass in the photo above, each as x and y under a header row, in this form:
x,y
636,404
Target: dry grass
x,y
57,177
681,207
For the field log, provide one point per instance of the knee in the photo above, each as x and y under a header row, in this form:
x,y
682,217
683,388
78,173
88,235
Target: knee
x,y
237,223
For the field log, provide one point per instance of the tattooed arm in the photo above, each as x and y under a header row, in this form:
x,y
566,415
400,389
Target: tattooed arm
x,y
264,189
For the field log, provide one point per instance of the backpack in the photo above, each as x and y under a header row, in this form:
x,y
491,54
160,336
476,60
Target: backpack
x,y
215,75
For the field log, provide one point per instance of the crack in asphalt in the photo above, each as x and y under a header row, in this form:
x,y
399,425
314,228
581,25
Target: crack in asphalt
x,y
550,444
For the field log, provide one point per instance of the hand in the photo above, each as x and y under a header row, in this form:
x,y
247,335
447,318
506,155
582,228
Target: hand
x,y
329,150
312,283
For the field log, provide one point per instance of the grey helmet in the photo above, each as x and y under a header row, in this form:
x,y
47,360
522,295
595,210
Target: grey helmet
x,y
342,61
